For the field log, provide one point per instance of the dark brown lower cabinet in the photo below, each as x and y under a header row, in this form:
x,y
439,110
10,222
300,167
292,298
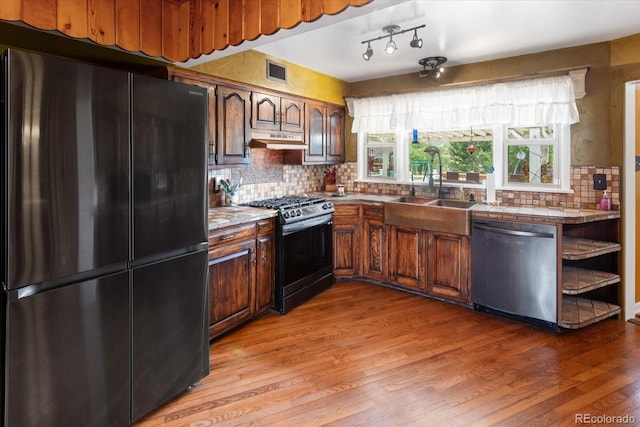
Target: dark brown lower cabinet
x,y
346,240
241,274
448,266
376,244
407,262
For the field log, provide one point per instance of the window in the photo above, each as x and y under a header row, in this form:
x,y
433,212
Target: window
x,y
535,158
466,155
380,148
531,155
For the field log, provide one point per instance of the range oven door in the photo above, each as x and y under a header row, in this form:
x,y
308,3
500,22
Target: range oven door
x,y
303,263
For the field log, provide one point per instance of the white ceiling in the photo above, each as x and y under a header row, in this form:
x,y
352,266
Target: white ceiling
x,y
464,31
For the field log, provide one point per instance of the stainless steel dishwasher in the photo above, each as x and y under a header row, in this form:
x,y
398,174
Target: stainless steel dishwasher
x,y
514,270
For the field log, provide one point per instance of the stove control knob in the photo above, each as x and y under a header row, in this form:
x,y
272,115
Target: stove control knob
x,y
298,212
286,215
327,205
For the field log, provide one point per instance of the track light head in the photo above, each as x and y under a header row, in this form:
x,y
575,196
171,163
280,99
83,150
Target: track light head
x,y
368,53
391,47
415,42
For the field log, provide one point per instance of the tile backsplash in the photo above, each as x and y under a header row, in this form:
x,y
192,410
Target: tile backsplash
x,y
268,177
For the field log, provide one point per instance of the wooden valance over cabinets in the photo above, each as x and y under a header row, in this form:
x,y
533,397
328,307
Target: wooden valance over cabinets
x,y
176,30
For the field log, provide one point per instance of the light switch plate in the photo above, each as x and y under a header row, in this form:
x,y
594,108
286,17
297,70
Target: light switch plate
x,y
599,181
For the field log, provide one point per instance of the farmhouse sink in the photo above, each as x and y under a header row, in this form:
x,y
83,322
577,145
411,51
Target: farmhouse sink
x,y
414,200
450,203
429,214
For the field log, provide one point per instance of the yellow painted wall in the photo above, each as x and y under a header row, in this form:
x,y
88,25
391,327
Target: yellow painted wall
x,y
250,67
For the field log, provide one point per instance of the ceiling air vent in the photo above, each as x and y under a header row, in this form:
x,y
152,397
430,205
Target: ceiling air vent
x,y
276,71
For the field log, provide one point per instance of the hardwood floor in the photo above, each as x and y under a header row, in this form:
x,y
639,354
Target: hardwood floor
x,y
364,355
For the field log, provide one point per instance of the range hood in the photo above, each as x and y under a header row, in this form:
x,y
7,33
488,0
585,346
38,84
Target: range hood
x,y
278,140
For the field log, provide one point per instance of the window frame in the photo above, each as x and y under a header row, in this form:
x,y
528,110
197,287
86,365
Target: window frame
x,y
561,145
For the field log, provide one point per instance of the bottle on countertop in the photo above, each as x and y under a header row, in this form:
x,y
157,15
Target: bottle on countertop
x,y
605,202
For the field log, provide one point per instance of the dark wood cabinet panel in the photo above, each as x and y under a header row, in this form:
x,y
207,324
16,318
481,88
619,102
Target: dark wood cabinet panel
x,y
231,285
265,272
292,115
315,133
241,273
346,240
375,243
276,113
233,112
335,135
265,111
448,266
407,263
346,249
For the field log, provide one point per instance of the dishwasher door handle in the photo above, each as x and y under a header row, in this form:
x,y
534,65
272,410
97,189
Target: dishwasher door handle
x,y
513,232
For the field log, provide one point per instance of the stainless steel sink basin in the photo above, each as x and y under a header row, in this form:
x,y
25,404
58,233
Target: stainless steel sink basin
x,y
443,215
451,203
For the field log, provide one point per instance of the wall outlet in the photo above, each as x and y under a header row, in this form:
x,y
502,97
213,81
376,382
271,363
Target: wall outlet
x,y
214,183
599,181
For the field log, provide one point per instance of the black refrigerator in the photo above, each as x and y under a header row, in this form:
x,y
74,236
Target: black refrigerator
x,y
104,309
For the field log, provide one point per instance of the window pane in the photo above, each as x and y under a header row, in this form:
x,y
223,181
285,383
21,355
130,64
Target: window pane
x,y
530,132
531,163
467,153
381,155
380,162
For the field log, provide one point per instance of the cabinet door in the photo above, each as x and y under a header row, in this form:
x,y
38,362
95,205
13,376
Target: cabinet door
x,y
233,126
315,133
231,285
375,241
448,266
406,261
346,249
335,135
265,273
265,111
292,115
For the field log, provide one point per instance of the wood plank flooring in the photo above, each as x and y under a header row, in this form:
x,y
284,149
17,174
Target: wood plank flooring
x,y
361,354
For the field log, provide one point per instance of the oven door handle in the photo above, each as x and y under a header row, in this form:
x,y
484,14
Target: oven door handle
x,y
307,223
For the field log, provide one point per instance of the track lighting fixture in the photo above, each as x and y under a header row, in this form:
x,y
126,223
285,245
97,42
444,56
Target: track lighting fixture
x,y
415,42
368,53
391,45
432,66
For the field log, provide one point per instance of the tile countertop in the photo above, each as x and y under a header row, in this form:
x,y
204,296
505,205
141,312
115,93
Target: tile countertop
x,y
231,215
523,213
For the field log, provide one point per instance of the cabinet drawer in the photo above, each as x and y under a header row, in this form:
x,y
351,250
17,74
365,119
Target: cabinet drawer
x,y
373,212
266,227
346,214
232,234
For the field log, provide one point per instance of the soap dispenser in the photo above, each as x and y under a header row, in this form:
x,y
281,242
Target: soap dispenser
x,y
605,202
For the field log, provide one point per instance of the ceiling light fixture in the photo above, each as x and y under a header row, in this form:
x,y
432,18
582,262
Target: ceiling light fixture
x,y
415,42
391,46
368,53
432,66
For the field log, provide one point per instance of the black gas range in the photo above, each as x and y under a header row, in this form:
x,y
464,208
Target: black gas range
x,y
304,262
292,209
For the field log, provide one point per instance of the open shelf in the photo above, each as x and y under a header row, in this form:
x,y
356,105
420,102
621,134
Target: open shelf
x,y
577,248
579,280
580,312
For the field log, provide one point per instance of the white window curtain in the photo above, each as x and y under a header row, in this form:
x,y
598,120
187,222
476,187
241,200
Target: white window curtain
x,y
527,102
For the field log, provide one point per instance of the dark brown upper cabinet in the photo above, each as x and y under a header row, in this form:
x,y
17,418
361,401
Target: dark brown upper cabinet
x,y
277,113
233,110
